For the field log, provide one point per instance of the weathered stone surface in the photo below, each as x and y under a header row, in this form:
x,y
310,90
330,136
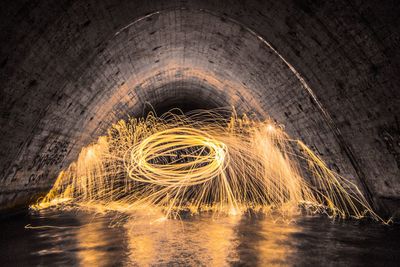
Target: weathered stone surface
x,y
70,68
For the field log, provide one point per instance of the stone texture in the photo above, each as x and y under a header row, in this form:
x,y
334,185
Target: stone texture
x,y
68,69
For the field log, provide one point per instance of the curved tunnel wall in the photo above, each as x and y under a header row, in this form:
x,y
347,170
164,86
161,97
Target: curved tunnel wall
x,y
71,69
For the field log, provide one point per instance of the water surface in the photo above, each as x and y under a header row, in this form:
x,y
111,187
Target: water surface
x,y
80,238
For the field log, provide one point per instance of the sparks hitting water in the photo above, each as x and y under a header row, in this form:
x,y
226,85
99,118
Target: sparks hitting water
x,y
203,161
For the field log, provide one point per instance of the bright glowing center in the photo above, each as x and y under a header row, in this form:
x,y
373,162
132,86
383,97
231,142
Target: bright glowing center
x,y
177,157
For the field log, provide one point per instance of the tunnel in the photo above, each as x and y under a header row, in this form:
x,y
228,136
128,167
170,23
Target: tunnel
x,y
328,72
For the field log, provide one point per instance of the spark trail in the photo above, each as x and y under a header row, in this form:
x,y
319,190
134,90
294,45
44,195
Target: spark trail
x,y
203,161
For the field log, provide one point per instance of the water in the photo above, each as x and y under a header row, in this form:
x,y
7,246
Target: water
x,y
78,238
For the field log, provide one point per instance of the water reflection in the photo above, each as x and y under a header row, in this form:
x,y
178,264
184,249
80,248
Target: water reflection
x,y
201,240
143,240
266,242
96,246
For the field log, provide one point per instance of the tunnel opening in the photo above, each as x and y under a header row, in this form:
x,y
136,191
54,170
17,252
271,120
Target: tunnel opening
x,y
182,97
183,105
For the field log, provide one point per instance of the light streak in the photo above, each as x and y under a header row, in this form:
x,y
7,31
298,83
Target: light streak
x,y
203,162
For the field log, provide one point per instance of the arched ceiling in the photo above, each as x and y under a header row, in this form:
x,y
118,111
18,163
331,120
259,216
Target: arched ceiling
x,y
325,71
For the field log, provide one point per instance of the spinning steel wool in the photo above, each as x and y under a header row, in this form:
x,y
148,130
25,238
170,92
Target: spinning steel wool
x,y
203,161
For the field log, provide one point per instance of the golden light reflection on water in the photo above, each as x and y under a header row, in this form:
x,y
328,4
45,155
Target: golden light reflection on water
x,y
201,240
77,238
90,237
204,241
276,247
